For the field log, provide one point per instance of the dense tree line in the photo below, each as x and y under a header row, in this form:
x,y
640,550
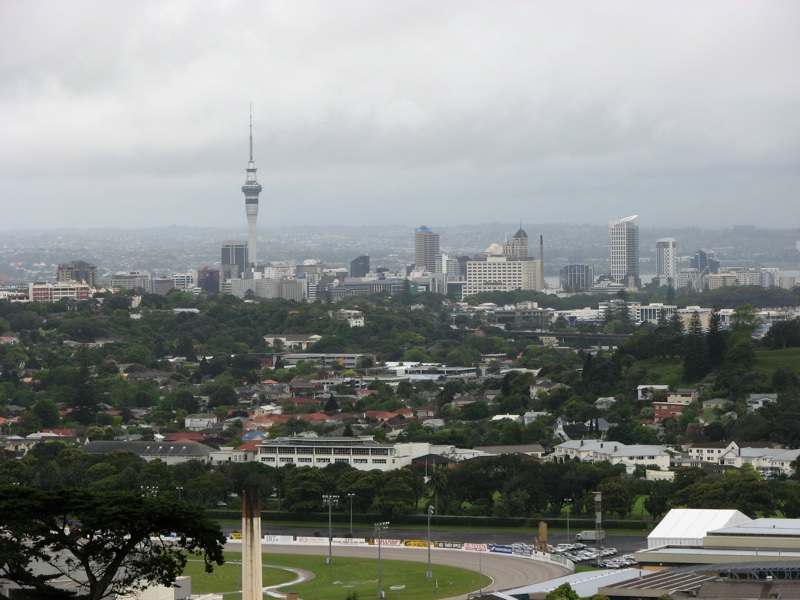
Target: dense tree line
x,y
505,485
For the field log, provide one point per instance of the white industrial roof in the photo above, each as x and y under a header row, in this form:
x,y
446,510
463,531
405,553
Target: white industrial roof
x,y
584,584
763,527
688,526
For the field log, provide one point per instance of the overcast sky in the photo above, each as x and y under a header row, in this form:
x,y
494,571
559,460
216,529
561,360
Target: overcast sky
x,y
135,113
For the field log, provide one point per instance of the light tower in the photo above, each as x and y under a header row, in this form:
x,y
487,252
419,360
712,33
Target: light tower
x,y
251,190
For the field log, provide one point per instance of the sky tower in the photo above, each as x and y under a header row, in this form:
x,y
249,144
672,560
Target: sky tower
x,y
251,189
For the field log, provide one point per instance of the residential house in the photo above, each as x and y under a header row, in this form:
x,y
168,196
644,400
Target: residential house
x,y
200,421
715,403
530,416
614,452
533,450
569,430
683,396
645,392
172,453
667,410
544,385
292,341
756,401
605,403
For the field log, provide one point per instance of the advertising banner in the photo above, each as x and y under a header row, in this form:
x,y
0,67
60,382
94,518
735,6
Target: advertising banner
x,y
449,545
475,547
311,540
278,539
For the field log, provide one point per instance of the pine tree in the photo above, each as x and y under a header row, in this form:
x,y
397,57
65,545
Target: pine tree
x,y
715,339
696,364
676,323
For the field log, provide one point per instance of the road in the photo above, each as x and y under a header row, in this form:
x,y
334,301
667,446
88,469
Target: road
x,y
624,543
506,572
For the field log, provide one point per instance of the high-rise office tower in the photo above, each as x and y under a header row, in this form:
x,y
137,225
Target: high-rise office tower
x,y
359,267
624,250
235,259
251,189
517,246
426,248
705,261
576,278
666,262
79,271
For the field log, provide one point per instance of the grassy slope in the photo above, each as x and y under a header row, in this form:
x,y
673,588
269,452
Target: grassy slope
x,y
768,361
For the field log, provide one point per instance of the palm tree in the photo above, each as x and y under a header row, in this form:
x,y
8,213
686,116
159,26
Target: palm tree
x,y
437,482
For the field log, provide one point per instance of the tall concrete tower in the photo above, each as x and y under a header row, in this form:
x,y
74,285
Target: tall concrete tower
x,y
251,189
426,248
666,262
624,250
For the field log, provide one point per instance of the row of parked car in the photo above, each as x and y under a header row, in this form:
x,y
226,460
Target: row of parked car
x,y
620,562
582,553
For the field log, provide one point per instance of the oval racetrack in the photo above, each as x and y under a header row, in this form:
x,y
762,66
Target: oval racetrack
x,y
507,572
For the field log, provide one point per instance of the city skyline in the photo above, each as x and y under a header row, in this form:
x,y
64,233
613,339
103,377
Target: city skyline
x,y
423,112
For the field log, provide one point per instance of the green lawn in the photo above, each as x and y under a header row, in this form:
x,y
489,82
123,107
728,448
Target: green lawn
x,y
663,371
345,576
768,361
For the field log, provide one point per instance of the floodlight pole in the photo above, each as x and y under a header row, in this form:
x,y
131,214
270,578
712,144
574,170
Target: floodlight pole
x,y
351,513
430,514
569,503
379,529
330,500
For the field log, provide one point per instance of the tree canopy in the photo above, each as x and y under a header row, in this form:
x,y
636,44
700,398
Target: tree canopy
x,y
104,542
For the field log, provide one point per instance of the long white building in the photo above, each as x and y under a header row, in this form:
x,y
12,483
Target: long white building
x,y
500,273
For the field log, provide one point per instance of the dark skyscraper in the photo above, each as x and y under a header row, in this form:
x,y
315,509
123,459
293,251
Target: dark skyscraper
x,y
705,261
235,259
359,267
251,189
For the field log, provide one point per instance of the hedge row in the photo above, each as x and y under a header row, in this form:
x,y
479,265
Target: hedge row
x,y
436,520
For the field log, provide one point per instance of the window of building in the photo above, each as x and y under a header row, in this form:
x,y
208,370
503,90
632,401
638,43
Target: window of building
x,y
305,451
322,451
341,451
287,459
284,450
379,461
323,460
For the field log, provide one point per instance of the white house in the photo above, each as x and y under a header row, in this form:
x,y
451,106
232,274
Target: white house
x,y
756,401
614,452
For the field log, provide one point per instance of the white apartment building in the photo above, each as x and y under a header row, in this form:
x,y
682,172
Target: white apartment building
x,y
624,236
766,460
184,281
666,261
499,273
448,265
131,280
53,292
362,453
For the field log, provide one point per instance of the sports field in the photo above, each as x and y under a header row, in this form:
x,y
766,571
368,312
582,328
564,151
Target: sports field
x,y
401,580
